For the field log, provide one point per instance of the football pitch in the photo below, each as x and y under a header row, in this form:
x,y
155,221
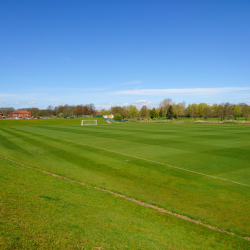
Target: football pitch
x,y
56,199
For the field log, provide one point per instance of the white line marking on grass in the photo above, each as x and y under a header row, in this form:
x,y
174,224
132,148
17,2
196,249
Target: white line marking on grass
x,y
160,163
130,199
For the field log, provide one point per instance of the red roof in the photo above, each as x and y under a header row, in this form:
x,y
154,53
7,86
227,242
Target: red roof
x,y
20,112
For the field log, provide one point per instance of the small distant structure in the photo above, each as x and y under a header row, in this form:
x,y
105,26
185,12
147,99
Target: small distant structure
x,y
1,116
108,116
20,114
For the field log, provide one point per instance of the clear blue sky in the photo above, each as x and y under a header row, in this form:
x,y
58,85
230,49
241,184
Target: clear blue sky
x,y
123,52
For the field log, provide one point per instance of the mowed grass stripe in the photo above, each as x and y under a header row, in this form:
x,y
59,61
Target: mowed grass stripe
x,y
205,131
83,161
177,141
42,212
205,200
11,145
227,169
127,198
68,154
228,162
223,167
204,134
140,158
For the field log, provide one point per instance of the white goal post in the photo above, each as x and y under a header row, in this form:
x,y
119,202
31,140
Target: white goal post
x,y
88,122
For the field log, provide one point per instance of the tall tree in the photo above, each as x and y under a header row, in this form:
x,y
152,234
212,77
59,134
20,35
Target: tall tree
x,y
50,110
246,111
92,109
161,112
178,109
219,112
143,111
223,111
192,110
214,108
165,105
120,110
79,110
33,111
86,110
207,112
153,113
133,111
170,112
42,113
60,109
166,101
105,112
201,107
236,111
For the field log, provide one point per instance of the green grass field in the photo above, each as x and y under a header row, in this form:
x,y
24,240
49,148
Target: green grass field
x,y
200,171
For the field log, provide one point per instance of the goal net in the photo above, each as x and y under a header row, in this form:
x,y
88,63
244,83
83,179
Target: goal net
x,y
88,122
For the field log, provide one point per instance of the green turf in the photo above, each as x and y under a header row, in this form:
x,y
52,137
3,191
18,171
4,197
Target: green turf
x,y
39,211
216,150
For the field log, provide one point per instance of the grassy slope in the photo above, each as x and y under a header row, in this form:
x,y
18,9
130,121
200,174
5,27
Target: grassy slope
x,y
216,150
39,211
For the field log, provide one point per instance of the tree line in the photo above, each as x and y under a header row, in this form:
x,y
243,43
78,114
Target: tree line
x,y
62,110
167,108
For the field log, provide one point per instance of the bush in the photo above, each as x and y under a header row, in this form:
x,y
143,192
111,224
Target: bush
x,y
117,117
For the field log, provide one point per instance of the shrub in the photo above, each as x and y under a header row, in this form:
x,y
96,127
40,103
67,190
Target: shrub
x,y
117,117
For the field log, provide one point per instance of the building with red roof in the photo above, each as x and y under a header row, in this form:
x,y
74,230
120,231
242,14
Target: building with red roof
x,y
20,114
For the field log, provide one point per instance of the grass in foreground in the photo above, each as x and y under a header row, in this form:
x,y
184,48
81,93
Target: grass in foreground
x,y
214,150
39,211
218,150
